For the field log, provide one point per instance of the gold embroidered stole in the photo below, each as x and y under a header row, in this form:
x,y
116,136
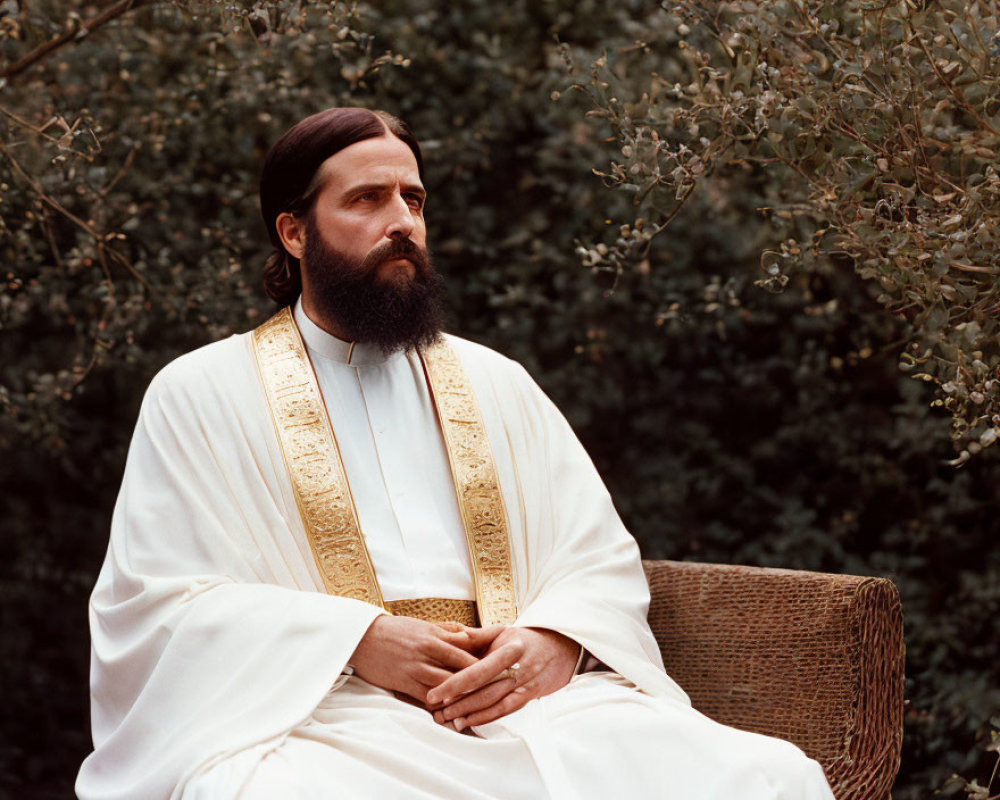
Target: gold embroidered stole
x,y
476,483
320,483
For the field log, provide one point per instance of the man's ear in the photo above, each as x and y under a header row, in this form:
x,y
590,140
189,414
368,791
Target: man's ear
x,y
292,231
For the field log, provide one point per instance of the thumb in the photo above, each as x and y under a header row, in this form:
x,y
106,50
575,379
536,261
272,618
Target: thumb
x,y
483,637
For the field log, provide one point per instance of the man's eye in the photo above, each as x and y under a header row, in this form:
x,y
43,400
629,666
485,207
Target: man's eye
x,y
367,196
415,201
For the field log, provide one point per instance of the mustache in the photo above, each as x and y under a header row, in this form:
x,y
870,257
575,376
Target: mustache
x,y
396,248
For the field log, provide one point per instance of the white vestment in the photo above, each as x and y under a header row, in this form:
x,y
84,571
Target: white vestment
x,y
218,657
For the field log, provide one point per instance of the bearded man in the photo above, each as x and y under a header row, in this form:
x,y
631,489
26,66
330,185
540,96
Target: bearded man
x,y
353,557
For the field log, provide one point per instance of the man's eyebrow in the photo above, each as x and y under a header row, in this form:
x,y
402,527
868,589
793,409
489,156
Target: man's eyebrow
x,y
361,188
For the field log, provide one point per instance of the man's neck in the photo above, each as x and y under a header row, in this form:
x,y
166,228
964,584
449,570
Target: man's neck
x,y
321,322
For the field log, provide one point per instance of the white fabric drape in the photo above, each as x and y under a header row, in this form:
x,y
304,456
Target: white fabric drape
x,y
215,648
385,424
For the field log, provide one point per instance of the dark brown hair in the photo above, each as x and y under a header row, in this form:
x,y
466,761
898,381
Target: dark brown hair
x,y
290,167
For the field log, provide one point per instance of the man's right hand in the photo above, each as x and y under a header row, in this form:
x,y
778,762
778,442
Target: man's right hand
x,y
404,654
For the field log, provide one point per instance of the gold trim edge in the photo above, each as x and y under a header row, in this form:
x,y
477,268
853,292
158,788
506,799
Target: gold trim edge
x,y
313,460
319,480
476,483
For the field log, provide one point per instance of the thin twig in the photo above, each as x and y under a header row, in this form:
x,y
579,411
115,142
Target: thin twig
x,y
81,375
50,237
99,238
663,225
22,121
955,91
121,173
974,268
74,32
993,776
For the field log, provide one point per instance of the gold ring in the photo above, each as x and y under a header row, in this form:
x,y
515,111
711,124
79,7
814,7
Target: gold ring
x,y
510,672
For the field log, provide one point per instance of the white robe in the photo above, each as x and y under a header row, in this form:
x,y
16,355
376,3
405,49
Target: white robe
x,y
218,657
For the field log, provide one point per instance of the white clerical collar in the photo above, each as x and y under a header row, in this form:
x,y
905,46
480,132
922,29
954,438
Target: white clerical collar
x,y
317,340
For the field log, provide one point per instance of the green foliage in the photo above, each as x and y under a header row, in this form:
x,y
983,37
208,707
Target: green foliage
x,y
876,124
731,424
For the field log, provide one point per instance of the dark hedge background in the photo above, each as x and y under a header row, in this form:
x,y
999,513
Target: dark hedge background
x,y
730,424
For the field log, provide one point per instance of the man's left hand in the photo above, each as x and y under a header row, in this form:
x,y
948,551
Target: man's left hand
x,y
473,696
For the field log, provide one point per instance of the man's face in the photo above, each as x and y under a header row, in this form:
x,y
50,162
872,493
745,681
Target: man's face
x,y
371,195
366,272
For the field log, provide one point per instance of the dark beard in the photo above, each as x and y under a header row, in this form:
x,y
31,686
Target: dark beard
x,y
366,308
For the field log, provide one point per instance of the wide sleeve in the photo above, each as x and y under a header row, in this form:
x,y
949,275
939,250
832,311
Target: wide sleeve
x,y
202,645
583,576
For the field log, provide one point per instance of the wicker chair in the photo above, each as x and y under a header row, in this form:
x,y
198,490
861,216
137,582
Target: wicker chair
x,y
813,658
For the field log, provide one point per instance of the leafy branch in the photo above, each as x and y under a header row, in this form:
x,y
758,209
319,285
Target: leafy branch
x,y
76,30
879,122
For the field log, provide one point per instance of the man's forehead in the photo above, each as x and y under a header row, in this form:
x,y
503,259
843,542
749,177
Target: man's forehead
x,y
383,159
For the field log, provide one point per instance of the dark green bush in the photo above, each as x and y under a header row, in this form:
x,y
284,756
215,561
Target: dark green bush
x,y
730,423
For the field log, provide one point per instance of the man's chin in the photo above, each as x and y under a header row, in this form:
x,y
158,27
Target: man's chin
x,y
397,270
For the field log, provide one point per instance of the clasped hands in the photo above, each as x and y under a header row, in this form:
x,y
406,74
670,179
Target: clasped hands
x,y
457,671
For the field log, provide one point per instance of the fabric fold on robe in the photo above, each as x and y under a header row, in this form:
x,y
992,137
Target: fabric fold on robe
x,y
211,630
209,635
583,573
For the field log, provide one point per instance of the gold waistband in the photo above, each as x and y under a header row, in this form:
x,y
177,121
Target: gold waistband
x,y
435,609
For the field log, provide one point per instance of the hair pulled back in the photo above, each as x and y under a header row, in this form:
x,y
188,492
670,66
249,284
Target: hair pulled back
x,y
286,181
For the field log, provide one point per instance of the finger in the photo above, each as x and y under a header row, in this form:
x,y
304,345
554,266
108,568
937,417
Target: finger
x,y
440,720
429,676
466,639
479,674
489,695
415,691
471,678
510,703
447,655
458,636
483,637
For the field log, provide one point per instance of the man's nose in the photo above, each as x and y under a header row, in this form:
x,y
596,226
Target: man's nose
x,y
400,224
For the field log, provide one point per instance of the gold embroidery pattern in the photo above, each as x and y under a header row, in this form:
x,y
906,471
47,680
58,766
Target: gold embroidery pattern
x,y
313,460
320,481
435,609
476,483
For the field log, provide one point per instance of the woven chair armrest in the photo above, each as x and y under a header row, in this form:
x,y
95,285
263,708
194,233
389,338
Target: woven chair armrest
x,y
810,657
